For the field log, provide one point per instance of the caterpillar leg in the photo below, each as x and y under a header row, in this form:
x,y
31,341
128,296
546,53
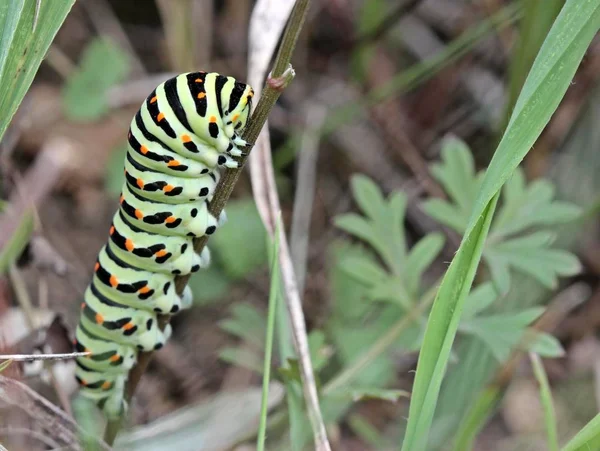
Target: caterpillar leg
x,y
187,298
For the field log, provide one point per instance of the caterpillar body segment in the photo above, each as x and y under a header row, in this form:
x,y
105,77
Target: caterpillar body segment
x,y
118,322
108,356
138,288
184,133
168,188
191,219
151,251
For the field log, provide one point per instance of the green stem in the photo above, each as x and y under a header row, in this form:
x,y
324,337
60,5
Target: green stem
x,y
273,295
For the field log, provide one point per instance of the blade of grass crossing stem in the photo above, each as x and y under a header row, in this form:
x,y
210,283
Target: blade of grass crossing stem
x,y
273,295
546,399
586,439
545,86
22,48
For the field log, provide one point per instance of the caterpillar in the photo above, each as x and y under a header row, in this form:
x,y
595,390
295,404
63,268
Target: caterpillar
x,y
183,134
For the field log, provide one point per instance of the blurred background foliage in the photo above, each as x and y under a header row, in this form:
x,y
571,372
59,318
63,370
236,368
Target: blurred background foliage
x,y
395,112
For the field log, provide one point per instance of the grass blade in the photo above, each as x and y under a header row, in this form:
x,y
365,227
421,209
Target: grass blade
x,y
23,46
586,439
546,399
545,86
273,294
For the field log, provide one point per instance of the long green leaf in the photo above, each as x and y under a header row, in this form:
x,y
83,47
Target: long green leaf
x,y
545,86
273,293
587,438
23,46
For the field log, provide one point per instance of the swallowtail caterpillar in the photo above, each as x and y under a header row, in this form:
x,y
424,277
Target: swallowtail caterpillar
x,y
183,134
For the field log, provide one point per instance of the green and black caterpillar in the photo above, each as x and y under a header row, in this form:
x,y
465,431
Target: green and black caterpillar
x,y
185,131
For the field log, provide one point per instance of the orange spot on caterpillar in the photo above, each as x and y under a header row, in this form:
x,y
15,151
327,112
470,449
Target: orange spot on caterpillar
x,y
201,95
139,183
106,385
212,119
170,219
168,188
99,318
128,326
129,245
144,149
138,214
198,80
113,281
121,199
144,290
186,138
235,117
160,117
153,99
173,163
160,253
112,230
82,305
83,382
96,266
114,358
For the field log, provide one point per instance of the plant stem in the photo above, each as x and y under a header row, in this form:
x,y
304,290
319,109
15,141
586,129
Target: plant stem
x,y
273,295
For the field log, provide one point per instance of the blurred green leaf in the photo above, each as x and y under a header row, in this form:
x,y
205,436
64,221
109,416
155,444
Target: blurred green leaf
x,y
114,179
11,252
201,425
239,245
362,393
529,255
4,365
546,345
368,433
456,172
246,322
523,208
243,357
420,257
587,438
320,351
102,66
501,332
22,48
480,298
209,285
371,15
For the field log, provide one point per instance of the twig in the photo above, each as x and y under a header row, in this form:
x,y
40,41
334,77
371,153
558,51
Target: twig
x,y
305,191
270,94
58,425
267,201
35,357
